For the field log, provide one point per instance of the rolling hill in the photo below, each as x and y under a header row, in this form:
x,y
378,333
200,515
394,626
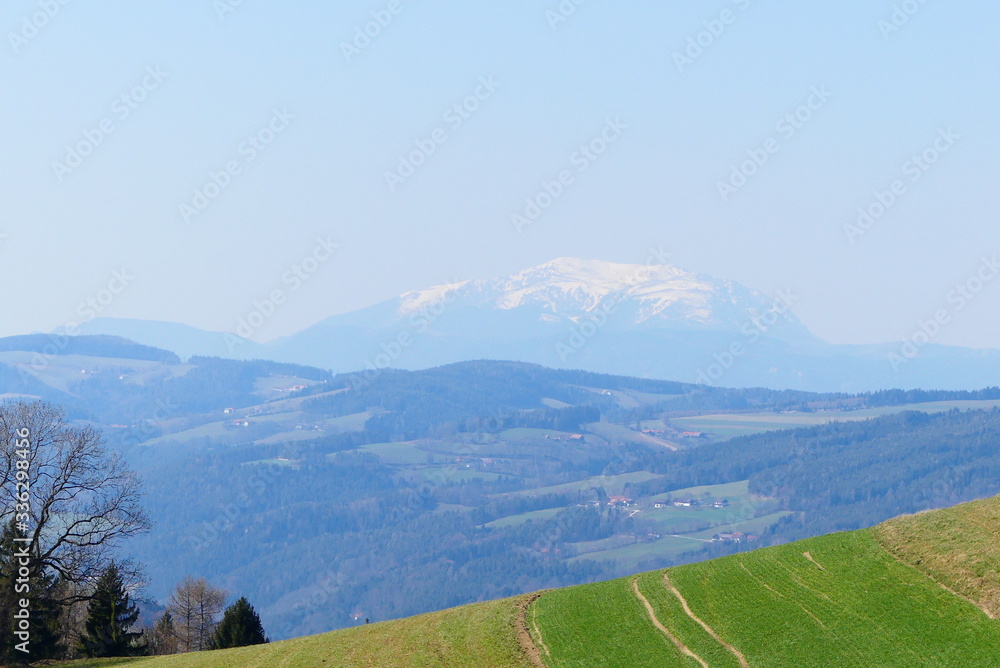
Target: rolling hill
x,y
404,492
919,590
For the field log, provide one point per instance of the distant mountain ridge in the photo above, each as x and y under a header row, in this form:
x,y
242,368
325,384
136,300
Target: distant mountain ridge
x,y
653,321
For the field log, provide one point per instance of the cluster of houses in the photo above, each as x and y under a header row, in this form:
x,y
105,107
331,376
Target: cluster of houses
x,y
573,438
308,427
689,502
290,388
685,502
736,537
660,433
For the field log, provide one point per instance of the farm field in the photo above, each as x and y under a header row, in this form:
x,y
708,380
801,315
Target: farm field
x,y
616,432
60,371
679,530
722,426
734,491
686,535
285,421
613,484
446,474
837,600
514,520
602,624
629,557
750,525
631,398
400,454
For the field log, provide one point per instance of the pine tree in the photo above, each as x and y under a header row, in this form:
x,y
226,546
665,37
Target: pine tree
x,y
110,615
240,626
38,589
164,640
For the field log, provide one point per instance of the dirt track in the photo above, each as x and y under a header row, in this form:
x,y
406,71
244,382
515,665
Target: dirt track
x,y
708,629
528,646
663,629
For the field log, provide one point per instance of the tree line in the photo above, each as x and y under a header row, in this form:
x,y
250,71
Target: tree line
x,y
67,505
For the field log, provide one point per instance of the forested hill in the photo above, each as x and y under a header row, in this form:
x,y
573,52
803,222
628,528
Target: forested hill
x,y
110,379
391,493
47,345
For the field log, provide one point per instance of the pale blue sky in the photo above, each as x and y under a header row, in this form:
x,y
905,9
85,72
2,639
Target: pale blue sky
x,y
655,186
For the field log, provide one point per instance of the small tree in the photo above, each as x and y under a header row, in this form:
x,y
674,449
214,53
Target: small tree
x,y
240,627
110,615
164,635
195,606
39,591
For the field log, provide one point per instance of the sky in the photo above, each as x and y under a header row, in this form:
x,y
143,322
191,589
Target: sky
x,y
182,161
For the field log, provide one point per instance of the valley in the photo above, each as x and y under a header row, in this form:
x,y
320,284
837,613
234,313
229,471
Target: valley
x,y
417,491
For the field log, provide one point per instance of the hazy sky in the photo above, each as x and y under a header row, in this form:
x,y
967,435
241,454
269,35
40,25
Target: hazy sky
x,y
115,113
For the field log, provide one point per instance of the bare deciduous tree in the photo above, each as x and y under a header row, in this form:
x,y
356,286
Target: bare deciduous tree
x,y
195,606
84,500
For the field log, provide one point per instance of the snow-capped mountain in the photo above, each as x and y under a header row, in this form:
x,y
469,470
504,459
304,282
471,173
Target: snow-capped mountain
x,y
656,321
570,289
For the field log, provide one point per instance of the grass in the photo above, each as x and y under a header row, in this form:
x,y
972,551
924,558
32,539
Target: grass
x,y
862,609
450,474
61,371
481,634
668,607
619,433
734,491
613,484
268,387
630,556
530,434
859,607
601,624
749,525
958,547
729,425
404,454
851,600
515,520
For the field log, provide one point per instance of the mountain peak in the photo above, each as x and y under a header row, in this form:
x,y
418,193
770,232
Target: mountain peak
x,y
569,289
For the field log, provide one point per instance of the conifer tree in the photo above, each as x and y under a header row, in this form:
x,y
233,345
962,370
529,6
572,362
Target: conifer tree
x,y
164,636
38,589
110,615
240,626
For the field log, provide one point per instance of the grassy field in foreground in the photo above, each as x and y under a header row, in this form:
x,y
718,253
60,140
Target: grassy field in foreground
x,y
481,634
601,624
911,592
840,600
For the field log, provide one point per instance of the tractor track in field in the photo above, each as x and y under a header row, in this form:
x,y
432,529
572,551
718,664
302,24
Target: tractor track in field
x,y
687,610
663,629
